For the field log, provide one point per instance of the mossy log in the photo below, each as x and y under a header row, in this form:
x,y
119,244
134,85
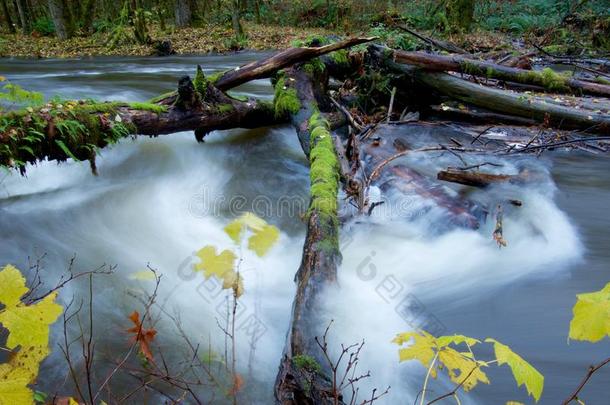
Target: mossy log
x,y
321,256
546,78
76,129
541,109
268,66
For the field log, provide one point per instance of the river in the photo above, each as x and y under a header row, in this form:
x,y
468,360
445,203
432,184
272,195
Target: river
x,y
156,201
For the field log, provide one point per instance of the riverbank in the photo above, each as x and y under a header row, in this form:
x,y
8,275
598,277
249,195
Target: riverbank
x,y
202,40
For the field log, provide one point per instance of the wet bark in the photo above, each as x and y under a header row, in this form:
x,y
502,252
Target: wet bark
x,y
553,82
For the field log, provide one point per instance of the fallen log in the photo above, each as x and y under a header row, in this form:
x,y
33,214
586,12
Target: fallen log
x,y
298,384
480,179
472,115
76,129
501,101
547,78
266,67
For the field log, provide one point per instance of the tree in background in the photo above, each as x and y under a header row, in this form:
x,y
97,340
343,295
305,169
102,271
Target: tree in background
x,y
63,28
24,16
460,14
7,18
184,13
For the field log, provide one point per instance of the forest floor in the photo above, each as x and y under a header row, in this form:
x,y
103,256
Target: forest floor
x,y
208,39
219,38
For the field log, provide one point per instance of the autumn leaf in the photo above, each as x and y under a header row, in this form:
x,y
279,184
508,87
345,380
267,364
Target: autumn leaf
x,y
263,240
215,265
263,237
144,275
28,339
591,320
523,372
142,336
238,383
461,366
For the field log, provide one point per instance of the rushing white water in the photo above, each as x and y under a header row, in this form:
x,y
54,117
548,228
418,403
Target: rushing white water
x,y
157,201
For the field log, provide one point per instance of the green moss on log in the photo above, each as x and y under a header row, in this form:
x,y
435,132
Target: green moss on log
x,y
307,363
547,78
314,67
324,179
163,96
225,108
63,130
200,83
286,100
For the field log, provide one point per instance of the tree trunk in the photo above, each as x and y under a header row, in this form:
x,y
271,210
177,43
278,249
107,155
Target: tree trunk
x,y
183,13
460,14
318,270
238,29
88,15
24,16
548,79
58,14
7,18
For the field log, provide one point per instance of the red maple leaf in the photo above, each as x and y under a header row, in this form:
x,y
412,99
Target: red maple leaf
x,y
142,336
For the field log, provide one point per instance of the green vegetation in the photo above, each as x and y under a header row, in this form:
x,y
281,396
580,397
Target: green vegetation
x,y
63,129
324,180
306,362
286,100
138,27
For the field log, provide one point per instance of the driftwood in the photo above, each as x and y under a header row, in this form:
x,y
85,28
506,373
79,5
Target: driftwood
x,y
549,80
501,101
480,179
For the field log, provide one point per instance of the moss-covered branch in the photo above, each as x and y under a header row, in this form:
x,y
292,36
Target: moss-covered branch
x,y
546,78
60,130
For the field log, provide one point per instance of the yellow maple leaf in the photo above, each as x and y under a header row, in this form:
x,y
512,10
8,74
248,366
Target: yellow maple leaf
x,y
215,265
28,324
591,320
523,372
264,236
461,366
28,327
143,275
221,266
263,240
421,348
14,382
